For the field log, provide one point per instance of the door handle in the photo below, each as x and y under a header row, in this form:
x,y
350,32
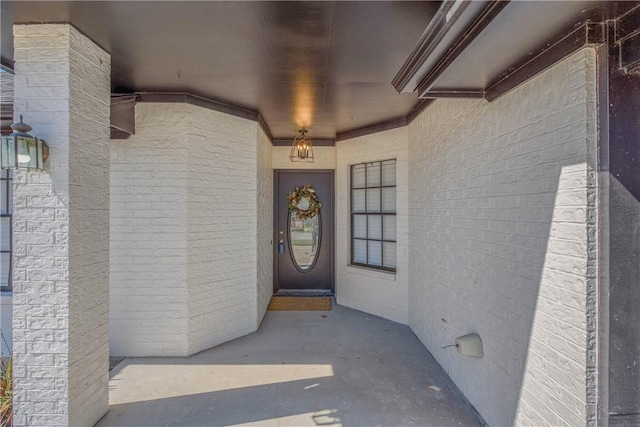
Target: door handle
x,y
281,245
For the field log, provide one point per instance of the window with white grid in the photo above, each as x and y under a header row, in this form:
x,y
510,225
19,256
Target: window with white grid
x,y
373,215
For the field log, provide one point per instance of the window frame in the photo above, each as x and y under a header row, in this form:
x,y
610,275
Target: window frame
x,y
6,181
381,213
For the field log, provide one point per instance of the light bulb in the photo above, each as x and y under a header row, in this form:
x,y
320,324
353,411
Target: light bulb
x,y
24,155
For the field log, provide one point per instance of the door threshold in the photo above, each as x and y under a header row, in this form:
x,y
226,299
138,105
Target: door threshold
x,y
303,293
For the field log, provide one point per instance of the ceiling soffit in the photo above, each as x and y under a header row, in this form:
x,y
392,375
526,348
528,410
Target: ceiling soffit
x,y
325,66
313,63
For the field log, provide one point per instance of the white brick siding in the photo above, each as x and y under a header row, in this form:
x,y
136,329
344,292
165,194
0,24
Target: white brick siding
x,y
90,93
61,230
148,310
380,293
222,227
184,228
502,243
265,225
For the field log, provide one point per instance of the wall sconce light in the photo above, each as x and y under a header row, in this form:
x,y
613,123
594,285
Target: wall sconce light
x,y
301,150
21,150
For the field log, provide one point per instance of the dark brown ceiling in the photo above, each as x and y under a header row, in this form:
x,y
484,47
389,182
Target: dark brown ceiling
x,y
325,66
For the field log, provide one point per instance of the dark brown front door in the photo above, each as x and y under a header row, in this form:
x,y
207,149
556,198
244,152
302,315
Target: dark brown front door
x,y
304,260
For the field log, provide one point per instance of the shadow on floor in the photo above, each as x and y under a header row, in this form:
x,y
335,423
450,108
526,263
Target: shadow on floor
x,y
342,367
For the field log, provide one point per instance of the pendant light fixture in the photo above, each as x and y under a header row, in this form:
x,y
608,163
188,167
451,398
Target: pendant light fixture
x,y
301,150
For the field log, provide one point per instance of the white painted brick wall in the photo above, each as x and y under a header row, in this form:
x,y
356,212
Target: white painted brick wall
x,y
184,228
379,293
222,227
502,220
265,225
61,230
90,106
148,310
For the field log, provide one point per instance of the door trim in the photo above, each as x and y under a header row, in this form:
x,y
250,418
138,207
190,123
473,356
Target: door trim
x,y
276,176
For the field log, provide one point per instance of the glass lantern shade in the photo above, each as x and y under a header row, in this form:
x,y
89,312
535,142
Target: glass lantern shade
x,y
21,150
302,149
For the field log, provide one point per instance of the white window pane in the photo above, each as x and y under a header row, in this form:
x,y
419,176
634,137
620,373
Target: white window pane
x,y
373,200
360,251
373,174
389,254
3,198
358,201
375,253
357,176
389,172
6,186
10,190
5,233
360,226
375,227
389,223
4,269
389,199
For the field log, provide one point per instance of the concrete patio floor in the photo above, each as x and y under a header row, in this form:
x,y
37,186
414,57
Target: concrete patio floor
x,y
342,367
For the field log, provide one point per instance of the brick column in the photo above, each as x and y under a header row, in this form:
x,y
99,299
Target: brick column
x,y
61,230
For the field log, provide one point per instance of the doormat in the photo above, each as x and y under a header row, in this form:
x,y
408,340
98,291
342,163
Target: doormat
x,y
300,304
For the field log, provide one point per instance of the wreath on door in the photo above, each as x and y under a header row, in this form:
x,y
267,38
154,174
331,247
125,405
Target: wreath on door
x,y
304,202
